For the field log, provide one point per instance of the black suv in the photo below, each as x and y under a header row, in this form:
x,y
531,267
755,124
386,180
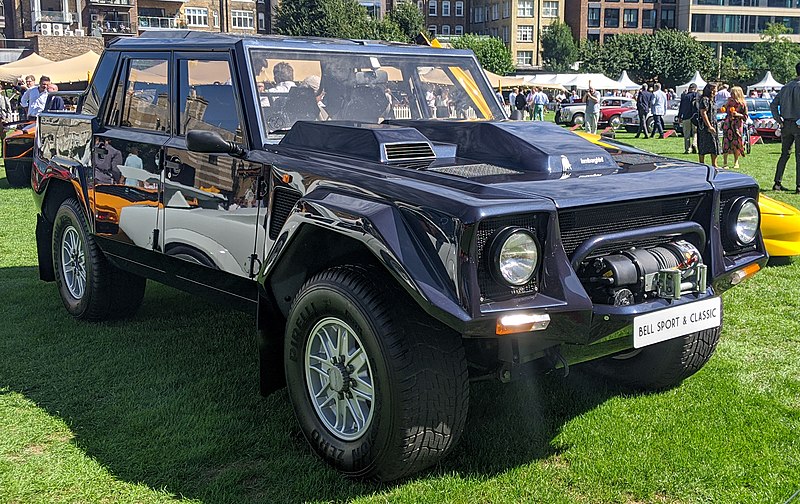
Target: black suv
x,y
394,234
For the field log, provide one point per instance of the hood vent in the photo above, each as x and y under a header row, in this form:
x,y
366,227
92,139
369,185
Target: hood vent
x,y
407,151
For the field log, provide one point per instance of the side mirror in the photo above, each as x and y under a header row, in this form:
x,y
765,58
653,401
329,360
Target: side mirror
x,y
212,143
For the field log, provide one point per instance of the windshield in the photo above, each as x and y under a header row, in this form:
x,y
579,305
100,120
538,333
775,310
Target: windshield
x,y
310,86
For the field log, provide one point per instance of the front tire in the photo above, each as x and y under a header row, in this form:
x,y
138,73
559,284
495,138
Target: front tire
x,y
380,391
661,366
578,119
615,122
90,287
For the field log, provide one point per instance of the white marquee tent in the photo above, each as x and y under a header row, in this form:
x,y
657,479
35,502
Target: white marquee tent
x,y
626,82
580,81
695,80
768,82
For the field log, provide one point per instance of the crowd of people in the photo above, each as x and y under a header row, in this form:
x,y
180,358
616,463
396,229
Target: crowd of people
x,y
25,99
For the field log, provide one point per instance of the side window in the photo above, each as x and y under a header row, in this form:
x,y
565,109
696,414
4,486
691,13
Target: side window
x,y
142,100
207,100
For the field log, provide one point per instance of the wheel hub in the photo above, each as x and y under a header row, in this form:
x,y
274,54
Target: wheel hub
x,y
339,376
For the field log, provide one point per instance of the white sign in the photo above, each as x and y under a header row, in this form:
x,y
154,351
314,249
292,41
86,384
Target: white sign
x,y
678,321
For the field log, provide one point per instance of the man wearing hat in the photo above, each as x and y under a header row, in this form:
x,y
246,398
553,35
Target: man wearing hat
x,y
687,110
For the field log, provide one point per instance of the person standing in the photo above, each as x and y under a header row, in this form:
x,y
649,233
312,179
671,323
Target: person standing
x,y
722,95
642,108
658,107
519,104
512,102
707,139
592,100
786,111
732,137
687,115
35,98
529,103
540,100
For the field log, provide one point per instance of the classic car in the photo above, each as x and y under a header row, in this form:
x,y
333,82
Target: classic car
x,y
18,153
611,110
388,262
630,118
759,119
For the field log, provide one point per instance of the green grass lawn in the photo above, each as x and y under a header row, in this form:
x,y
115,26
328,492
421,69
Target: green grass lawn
x,y
166,406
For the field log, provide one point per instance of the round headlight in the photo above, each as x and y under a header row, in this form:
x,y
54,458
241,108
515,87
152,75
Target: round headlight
x,y
516,256
743,221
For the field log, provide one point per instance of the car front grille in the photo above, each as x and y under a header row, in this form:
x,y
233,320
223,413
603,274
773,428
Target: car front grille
x,y
579,224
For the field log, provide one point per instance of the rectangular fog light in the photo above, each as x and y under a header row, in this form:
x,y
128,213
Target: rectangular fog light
x,y
522,322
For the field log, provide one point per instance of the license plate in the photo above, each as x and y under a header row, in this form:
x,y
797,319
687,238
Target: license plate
x,y
669,323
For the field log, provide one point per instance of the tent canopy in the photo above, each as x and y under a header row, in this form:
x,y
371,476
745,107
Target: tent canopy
x,y
580,81
506,82
768,82
74,69
626,83
697,79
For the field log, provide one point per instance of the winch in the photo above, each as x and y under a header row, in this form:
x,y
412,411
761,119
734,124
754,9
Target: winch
x,y
634,275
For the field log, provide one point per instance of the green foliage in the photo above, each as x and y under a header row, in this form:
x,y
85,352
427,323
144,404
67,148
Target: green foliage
x,y
491,52
668,56
775,52
559,51
734,70
333,18
408,19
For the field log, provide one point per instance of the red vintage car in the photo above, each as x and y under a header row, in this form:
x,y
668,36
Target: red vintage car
x,y
611,109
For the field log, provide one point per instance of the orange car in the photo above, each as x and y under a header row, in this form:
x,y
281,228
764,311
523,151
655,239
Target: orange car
x,y
18,153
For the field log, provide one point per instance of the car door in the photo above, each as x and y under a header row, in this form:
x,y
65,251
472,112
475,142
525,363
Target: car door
x,y
127,153
212,202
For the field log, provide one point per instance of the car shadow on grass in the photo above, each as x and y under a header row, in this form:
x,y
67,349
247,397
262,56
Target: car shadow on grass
x,y
169,399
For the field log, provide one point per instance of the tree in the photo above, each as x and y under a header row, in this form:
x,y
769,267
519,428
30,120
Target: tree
x,y
559,52
733,69
668,56
775,52
324,18
408,18
491,52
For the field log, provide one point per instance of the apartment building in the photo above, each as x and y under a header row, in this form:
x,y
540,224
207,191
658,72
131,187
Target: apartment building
x,y
518,23
601,20
106,18
735,23
446,17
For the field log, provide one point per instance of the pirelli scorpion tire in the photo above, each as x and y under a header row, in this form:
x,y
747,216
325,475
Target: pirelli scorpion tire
x,y
90,287
659,366
380,390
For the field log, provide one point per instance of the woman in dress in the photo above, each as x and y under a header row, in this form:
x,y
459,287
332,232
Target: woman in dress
x,y
732,139
707,139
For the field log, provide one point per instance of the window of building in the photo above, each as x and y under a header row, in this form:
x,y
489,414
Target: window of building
x,y
494,32
495,12
524,58
432,30
649,18
506,31
593,19
525,8
446,8
650,1
433,8
459,30
524,33
196,16
667,18
631,1
611,18
630,18
550,9
215,15
459,9
446,29
261,21
716,22
242,19
506,9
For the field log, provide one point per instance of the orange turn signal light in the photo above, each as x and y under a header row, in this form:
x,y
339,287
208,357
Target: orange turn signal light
x,y
746,272
286,178
522,322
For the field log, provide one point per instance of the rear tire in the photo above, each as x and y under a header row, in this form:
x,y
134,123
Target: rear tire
x,y
650,124
91,288
615,122
661,366
578,119
410,390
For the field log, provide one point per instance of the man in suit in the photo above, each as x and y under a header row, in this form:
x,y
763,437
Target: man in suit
x,y
643,99
686,110
658,106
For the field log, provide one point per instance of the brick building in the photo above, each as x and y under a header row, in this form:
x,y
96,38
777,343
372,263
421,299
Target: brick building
x,y
600,20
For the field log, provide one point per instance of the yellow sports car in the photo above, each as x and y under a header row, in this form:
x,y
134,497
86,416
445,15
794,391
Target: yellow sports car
x,y
780,223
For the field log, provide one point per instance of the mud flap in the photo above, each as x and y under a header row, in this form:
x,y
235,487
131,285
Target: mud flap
x,y
44,249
